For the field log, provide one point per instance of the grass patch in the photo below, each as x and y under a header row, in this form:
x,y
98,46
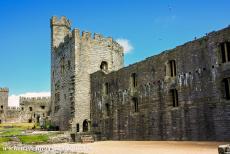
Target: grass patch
x,y
33,139
17,152
4,139
11,131
20,125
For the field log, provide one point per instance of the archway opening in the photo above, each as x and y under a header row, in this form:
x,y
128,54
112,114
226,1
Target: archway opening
x,y
85,126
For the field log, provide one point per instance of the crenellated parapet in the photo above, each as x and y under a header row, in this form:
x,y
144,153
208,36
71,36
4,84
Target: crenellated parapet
x,y
63,21
34,98
4,89
96,38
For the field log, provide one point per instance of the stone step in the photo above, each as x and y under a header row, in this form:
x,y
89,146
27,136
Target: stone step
x,y
87,139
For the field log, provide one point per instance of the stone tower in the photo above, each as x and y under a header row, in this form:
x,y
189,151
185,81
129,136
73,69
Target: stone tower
x,y
74,57
3,103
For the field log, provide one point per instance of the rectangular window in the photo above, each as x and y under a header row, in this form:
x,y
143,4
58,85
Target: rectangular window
x,y
77,127
226,82
31,109
134,79
107,109
106,88
172,68
174,94
135,104
225,52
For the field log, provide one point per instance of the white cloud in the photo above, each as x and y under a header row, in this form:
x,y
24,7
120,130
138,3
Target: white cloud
x,y
125,44
14,99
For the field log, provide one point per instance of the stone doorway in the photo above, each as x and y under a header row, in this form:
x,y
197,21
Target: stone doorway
x,y
85,126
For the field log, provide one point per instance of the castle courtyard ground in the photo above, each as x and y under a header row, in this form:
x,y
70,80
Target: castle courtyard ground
x,y
146,147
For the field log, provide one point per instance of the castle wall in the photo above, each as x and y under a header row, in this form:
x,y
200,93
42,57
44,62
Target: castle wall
x,y
139,102
71,90
31,109
3,103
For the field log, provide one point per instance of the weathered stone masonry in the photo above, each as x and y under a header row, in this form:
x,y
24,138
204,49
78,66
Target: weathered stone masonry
x,y
3,103
180,94
74,57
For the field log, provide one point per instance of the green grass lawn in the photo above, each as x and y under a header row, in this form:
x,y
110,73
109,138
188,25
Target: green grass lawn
x,y
19,125
4,139
33,139
11,131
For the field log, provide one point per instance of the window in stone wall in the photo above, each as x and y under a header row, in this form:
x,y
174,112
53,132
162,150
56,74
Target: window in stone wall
x,y
107,107
226,87
62,65
171,68
135,104
78,127
106,88
1,106
43,107
174,94
133,80
225,52
30,108
22,108
104,66
69,64
57,97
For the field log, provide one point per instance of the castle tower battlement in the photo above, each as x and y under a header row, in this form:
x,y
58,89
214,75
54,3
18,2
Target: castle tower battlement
x,y
63,21
75,55
4,89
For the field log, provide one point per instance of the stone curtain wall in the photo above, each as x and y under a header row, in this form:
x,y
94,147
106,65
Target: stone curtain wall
x,y
3,103
74,57
31,109
176,95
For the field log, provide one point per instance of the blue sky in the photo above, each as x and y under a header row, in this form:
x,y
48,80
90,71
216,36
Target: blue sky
x,y
150,26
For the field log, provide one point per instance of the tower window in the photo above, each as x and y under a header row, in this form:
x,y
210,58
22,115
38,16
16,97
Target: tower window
x,y
107,109
31,109
69,64
1,106
134,79
106,88
174,94
225,52
43,107
226,83
135,104
104,66
171,68
78,127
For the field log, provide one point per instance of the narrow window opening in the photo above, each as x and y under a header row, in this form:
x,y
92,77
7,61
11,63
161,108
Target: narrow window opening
x,y
31,109
107,109
134,79
172,64
43,107
226,82
1,106
104,66
78,128
174,94
135,104
69,64
225,52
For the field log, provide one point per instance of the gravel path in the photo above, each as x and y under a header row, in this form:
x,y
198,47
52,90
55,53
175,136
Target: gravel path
x,y
135,147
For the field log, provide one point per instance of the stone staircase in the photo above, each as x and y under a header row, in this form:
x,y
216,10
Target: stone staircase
x,y
87,139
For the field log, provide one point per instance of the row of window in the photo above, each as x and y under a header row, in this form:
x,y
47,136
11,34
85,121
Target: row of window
x,y
135,103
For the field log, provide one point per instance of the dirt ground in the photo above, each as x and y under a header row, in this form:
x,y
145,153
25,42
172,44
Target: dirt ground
x,y
154,147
